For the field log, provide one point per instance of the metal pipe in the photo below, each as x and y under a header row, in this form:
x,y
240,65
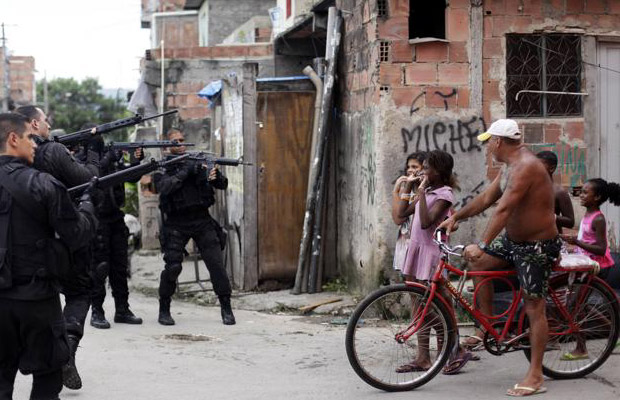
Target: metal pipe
x,y
549,92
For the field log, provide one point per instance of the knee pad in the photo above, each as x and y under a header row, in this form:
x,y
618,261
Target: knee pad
x,y
172,272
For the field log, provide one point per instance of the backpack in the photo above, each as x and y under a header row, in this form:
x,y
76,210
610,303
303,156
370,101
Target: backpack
x,y
59,262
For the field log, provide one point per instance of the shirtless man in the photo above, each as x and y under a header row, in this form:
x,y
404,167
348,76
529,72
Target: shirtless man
x,y
565,216
525,208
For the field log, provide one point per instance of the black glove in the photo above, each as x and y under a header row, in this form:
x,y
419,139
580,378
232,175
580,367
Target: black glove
x,y
110,157
92,195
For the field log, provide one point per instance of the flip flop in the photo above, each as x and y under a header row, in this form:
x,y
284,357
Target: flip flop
x,y
410,367
573,357
455,366
531,391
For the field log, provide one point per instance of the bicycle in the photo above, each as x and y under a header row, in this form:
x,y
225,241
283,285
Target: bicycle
x,y
381,333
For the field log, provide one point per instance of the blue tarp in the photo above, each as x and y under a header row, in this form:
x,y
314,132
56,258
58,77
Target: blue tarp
x,y
211,92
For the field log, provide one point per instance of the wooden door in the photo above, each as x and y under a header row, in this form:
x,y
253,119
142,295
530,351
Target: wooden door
x,y
283,155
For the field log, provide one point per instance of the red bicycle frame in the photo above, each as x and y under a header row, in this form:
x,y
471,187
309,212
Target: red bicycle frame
x,y
486,321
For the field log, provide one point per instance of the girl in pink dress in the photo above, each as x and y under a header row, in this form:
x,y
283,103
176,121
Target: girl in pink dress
x,y
592,237
433,203
403,206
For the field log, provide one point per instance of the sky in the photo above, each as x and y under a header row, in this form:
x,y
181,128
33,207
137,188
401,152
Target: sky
x,y
78,38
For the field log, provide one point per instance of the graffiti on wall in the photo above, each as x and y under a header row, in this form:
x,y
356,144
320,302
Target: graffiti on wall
x,y
470,196
571,161
445,97
458,136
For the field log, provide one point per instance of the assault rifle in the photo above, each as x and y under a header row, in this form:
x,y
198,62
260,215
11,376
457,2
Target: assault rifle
x,y
210,160
125,146
125,175
72,139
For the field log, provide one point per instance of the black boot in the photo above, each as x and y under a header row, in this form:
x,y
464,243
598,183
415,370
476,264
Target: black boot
x,y
164,312
227,315
70,376
97,318
125,316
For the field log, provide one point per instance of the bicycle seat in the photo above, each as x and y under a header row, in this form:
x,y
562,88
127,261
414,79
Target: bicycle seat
x,y
577,263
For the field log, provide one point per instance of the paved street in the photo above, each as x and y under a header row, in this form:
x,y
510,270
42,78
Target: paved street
x,y
269,356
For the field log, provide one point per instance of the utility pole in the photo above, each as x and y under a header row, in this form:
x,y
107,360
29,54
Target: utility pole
x,y
46,102
5,78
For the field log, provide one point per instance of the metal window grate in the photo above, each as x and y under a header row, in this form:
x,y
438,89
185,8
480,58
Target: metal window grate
x,y
384,51
546,63
382,8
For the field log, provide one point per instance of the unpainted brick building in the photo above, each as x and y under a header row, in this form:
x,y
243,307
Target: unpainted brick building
x,y
418,76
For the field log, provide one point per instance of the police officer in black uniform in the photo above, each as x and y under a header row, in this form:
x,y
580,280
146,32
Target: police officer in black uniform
x,y
55,159
110,247
39,227
185,195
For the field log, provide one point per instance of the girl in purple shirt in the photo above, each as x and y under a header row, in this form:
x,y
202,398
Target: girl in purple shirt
x,y
434,200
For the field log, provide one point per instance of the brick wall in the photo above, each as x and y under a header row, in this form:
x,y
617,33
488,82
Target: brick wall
x,y
23,83
434,74
564,136
188,70
359,63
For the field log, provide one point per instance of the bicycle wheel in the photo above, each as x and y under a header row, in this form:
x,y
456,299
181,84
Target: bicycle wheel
x,y
594,310
371,341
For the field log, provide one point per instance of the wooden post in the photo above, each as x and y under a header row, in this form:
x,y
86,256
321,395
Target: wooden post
x,y
333,34
250,179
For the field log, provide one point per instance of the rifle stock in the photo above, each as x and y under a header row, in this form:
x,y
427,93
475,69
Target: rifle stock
x,y
125,175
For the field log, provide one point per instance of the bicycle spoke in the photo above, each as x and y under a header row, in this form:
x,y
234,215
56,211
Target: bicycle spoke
x,y
579,344
376,348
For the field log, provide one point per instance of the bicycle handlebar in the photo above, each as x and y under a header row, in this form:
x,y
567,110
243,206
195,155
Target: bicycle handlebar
x,y
444,247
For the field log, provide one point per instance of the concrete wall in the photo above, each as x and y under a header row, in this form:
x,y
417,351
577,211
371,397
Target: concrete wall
x,y
255,30
224,18
421,97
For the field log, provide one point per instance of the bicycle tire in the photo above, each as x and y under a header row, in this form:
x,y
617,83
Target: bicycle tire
x,y
600,336
370,332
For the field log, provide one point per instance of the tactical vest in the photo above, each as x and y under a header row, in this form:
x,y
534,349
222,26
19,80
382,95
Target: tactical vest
x,y
195,194
33,251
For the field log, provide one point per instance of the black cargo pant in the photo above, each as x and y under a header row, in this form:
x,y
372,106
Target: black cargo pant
x,y
33,340
77,290
110,260
175,234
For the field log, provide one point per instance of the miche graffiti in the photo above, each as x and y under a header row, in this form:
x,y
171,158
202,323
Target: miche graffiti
x,y
454,136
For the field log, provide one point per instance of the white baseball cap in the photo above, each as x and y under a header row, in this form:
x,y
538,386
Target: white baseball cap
x,y
507,128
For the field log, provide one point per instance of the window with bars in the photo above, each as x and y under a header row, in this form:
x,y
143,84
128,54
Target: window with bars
x,y
543,62
384,51
382,8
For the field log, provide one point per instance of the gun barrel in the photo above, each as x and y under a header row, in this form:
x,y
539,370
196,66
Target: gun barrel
x,y
84,134
119,177
148,144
